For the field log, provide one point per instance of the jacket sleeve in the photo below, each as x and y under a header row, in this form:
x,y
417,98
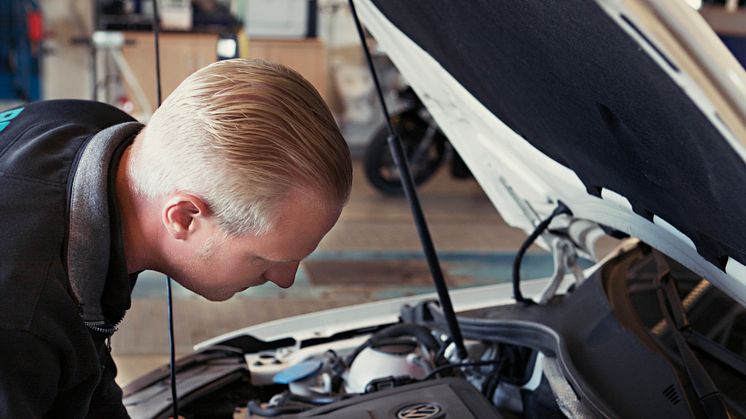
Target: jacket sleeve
x,y
29,375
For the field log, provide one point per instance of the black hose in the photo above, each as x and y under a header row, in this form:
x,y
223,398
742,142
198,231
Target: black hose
x,y
440,356
561,209
421,333
494,379
438,370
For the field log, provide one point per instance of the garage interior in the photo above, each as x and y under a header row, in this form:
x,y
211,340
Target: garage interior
x,y
103,50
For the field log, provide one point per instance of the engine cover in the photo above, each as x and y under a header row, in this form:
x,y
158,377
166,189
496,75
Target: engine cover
x,y
442,398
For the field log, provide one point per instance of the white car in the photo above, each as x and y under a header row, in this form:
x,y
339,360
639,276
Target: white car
x,y
621,117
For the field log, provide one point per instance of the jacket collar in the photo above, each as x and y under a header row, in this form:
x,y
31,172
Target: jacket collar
x,y
95,256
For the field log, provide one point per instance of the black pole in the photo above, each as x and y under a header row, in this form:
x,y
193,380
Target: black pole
x,y
400,158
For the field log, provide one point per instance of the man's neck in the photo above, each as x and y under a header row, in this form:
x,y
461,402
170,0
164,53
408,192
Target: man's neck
x,y
133,208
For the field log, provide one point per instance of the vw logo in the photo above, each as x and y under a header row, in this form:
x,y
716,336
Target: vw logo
x,y
419,411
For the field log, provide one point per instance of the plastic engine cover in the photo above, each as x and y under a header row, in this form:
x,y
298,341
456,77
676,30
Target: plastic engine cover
x,y
443,398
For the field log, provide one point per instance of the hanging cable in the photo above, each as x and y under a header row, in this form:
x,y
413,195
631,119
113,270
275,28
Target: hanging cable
x,y
561,209
172,349
171,343
400,158
156,31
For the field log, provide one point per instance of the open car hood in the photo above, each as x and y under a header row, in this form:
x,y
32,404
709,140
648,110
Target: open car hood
x,y
632,113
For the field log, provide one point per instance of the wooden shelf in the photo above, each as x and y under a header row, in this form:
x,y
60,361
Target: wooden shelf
x,y
306,56
184,53
181,55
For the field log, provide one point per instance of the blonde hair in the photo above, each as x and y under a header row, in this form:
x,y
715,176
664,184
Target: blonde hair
x,y
242,134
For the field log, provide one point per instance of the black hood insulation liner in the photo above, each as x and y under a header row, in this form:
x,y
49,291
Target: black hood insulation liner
x,y
571,82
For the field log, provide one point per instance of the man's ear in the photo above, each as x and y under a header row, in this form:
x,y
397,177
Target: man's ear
x,y
181,214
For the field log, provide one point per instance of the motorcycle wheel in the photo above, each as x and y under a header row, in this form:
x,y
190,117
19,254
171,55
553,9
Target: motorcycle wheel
x,y
423,143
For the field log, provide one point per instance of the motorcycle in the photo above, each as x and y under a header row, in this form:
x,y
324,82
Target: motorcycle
x,y
425,145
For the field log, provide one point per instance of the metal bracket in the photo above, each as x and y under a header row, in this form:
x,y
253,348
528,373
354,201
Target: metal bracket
x,y
565,262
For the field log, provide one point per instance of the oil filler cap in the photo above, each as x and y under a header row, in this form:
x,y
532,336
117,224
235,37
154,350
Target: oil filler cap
x,y
297,372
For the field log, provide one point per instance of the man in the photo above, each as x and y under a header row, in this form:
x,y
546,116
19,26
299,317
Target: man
x,y
235,179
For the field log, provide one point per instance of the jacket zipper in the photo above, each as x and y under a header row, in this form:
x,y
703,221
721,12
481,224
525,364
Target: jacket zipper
x,y
106,329
101,326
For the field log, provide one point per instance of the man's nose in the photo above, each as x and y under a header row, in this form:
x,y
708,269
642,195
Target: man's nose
x,y
283,275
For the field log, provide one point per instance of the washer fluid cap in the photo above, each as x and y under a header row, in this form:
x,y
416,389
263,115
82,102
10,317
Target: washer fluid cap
x,y
297,372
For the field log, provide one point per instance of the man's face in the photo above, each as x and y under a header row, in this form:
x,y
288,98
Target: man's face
x,y
217,267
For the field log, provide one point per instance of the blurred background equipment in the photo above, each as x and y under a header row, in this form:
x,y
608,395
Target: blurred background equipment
x,y
316,37
424,143
21,36
291,19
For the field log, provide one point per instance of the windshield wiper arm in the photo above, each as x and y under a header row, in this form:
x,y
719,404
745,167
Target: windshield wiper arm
x,y
716,350
673,312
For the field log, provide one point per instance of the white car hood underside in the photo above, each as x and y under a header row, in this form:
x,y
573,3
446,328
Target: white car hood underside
x,y
524,183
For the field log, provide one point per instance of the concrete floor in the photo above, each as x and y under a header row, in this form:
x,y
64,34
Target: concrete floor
x,y
374,238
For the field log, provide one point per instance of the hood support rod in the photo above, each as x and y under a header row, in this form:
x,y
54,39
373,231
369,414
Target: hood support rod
x,y
400,158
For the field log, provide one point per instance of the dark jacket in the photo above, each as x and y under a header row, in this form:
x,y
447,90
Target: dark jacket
x,y
51,364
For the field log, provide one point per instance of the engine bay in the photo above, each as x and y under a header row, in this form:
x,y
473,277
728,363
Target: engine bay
x,y
604,347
